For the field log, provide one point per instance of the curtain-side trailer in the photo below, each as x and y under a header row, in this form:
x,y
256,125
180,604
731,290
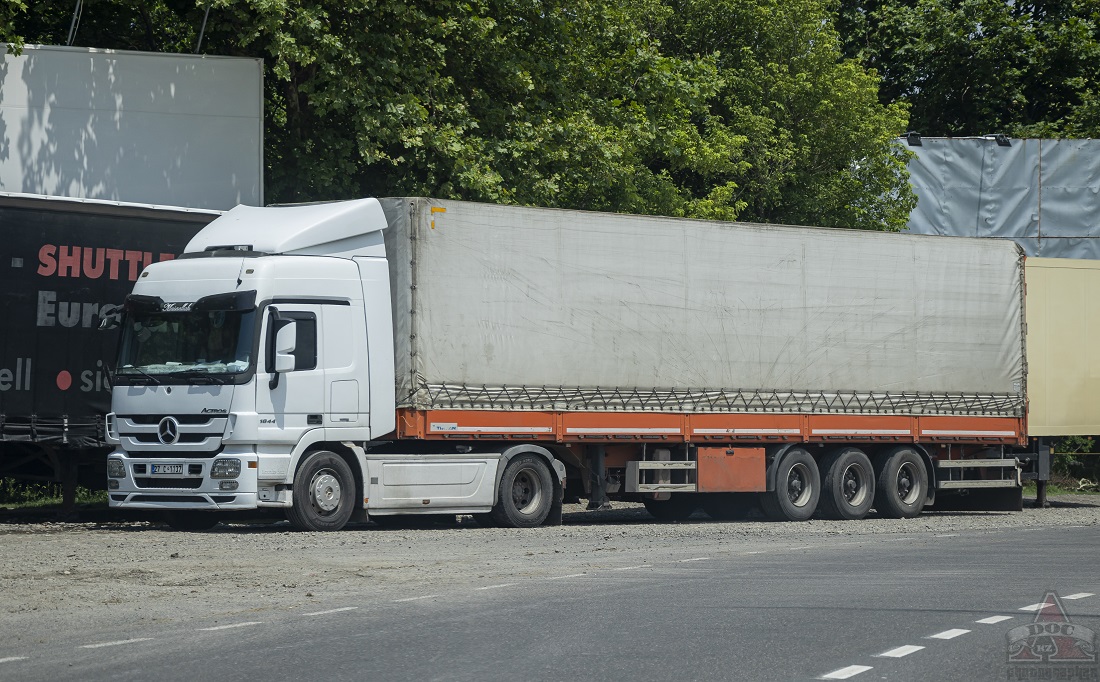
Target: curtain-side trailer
x,y
378,358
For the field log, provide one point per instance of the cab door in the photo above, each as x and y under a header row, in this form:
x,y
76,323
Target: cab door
x,y
290,403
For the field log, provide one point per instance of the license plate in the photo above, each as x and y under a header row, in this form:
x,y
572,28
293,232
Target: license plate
x,y
167,468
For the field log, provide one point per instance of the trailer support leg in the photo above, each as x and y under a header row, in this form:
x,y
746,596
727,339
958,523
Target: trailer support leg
x,y
597,479
1043,477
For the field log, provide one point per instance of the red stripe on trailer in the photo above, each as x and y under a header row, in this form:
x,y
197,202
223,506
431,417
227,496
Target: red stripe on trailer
x,y
576,427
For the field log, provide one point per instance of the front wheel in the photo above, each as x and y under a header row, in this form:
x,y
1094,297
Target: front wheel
x,y
526,493
324,493
797,488
902,483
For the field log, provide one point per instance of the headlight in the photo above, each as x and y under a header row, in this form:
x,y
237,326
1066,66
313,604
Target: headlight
x,y
116,469
226,468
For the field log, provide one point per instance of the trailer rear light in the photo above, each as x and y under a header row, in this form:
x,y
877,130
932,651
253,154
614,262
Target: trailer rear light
x,y
115,468
229,467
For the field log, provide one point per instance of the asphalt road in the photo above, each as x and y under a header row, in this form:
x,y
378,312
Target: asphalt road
x,y
797,608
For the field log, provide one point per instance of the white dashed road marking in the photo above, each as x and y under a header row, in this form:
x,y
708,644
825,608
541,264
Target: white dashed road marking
x,y
1035,607
426,596
494,587
992,620
901,651
949,634
232,625
630,568
121,641
12,659
1079,595
325,613
845,673
698,558
563,577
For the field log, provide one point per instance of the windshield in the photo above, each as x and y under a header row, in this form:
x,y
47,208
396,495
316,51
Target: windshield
x,y
206,343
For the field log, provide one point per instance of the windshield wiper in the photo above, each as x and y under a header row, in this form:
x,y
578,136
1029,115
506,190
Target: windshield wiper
x,y
140,371
201,376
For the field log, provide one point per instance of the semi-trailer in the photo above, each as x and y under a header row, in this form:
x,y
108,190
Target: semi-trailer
x,y
65,263
387,357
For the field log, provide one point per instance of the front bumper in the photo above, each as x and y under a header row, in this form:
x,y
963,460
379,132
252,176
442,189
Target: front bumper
x,y
192,488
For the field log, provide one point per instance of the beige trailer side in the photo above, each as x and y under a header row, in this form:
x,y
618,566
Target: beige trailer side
x,y
1063,346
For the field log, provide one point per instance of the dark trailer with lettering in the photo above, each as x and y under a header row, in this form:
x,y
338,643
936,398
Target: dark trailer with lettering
x,y
64,263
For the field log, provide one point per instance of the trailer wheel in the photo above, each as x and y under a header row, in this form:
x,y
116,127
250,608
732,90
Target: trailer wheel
x,y
729,506
526,493
848,489
797,488
324,493
190,521
902,483
678,507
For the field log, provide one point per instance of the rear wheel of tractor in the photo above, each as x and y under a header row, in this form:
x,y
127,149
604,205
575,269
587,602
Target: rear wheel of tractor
x,y
729,506
190,521
902,483
797,488
526,493
324,493
848,488
678,507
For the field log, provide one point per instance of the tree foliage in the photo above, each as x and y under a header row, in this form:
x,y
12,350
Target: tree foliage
x,y
972,67
727,109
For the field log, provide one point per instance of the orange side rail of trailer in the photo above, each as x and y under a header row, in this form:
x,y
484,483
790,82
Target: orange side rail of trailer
x,y
577,427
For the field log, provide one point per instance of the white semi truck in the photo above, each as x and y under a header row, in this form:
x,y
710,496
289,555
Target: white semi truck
x,y
387,357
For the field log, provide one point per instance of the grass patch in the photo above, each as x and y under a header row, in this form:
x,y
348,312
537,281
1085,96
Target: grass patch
x,y
1061,484
16,494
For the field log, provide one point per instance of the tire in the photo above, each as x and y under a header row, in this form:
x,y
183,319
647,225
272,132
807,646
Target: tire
x,y
797,488
729,506
678,507
185,520
848,488
324,493
902,485
526,493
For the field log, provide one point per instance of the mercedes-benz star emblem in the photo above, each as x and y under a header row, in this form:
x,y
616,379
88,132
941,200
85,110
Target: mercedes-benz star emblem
x,y
168,431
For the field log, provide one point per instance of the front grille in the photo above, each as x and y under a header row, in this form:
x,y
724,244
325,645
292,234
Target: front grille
x,y
177,483
174,454
181,418
183,437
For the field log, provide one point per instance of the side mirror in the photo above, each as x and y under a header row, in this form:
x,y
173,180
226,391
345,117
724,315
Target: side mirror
x,y
285,341
111,320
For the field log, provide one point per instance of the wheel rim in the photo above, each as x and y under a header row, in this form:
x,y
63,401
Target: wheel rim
x,y
325,491
527,491
854,484
907,486
798,487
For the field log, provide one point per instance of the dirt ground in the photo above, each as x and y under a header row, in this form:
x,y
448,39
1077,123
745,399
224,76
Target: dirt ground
x,y
128,573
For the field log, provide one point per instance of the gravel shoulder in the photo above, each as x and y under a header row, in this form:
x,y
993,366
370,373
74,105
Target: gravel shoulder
x,y
123,576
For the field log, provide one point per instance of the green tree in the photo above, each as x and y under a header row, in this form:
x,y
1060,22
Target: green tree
x,y
821,149
972,67
636,105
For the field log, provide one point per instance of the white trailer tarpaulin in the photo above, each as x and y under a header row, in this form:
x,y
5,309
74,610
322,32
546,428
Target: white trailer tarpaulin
x,y
521,308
